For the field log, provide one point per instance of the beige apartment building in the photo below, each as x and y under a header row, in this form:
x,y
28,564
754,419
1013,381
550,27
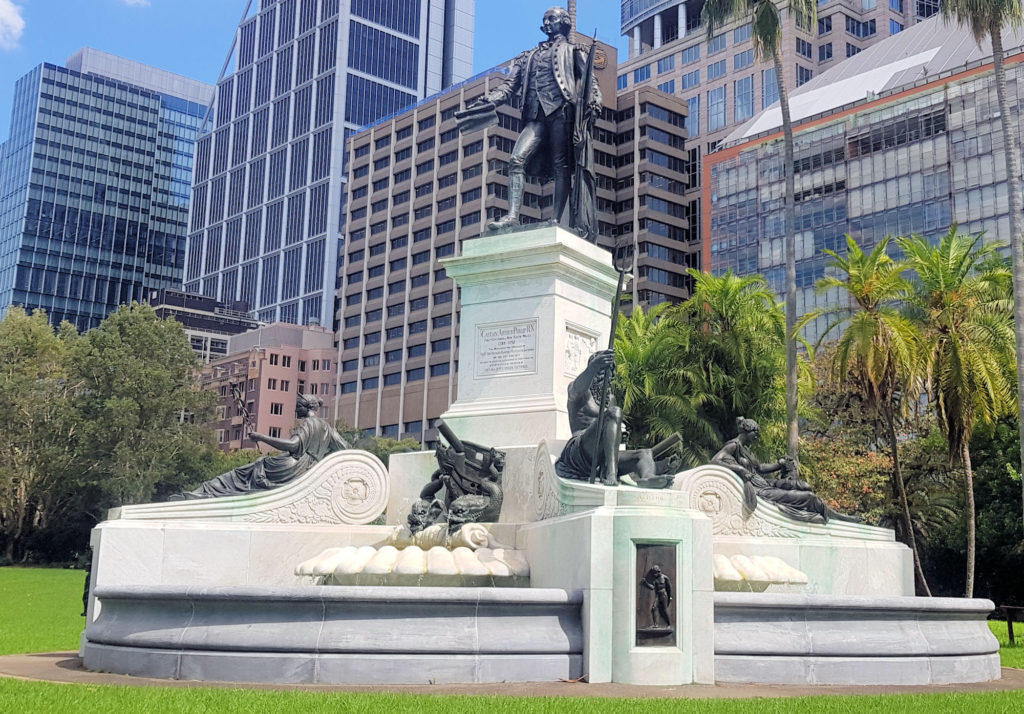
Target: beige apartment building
x,y
418,189
263,373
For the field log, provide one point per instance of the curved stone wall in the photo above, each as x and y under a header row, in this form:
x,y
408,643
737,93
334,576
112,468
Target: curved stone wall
x,y
338,635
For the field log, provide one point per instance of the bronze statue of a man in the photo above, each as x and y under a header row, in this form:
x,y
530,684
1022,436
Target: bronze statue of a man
x,y
550,82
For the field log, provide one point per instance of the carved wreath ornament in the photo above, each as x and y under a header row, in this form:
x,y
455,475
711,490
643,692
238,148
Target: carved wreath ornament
x,y
350,494
713,497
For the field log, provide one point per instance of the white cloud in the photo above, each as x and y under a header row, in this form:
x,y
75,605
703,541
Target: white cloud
x,y
12,24
138,3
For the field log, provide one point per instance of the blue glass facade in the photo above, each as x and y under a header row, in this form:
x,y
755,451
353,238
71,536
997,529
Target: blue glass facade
x,y
94,193
269,180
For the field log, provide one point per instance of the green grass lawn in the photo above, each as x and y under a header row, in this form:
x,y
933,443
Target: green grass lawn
x,y
41,609
41,614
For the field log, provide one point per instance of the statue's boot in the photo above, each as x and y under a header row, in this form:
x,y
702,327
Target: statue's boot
x,y
561,198
516,183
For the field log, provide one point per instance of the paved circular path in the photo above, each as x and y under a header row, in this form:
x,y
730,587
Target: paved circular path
x,y
66,667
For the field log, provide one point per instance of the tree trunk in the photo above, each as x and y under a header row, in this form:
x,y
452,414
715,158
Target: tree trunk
x,y
908,524
1011,150
965,454
792,425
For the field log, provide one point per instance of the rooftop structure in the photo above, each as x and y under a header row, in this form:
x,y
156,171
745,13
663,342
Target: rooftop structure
x,y
911,143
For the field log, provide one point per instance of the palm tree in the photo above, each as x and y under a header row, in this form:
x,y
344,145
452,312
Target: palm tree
x,y
766,21
967,345
876,349
737,342
987,18
657,385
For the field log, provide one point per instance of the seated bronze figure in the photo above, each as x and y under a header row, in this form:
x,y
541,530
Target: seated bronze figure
x,y
794,497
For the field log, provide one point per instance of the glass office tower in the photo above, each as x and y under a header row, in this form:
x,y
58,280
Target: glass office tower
x,y
270,182
94,185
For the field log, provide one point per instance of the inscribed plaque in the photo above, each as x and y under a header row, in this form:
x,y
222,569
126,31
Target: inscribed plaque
x,y
506,348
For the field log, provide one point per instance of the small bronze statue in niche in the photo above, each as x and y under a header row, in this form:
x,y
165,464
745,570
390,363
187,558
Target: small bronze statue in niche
x,y
593,451
794,497
661,588
470,476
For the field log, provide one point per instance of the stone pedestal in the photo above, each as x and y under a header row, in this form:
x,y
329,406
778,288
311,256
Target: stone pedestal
x,y
602,552
535,305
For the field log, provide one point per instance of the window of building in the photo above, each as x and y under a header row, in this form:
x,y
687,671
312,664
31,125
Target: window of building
x,y
275,359
442,321
743,59
417,327
622,81
286,361
285,385
441,345
666,63
371,360
716,109
437,370
420,280
690,79
825,52
413,427
716,70
742,33
804,48
276,408
414,375
392,379
348,387
896,6
349,365
690,54
803,75
417,351
852,50
274,431
824,25
371,383
769,88
716,44
693,120
427,122
668,87
642,74
393,356
350,343
895,27
743,97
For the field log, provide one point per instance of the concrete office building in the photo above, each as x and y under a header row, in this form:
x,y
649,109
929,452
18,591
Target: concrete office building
x,y
94,185
264,372
208,323
419,190
269,182
903,138
722,82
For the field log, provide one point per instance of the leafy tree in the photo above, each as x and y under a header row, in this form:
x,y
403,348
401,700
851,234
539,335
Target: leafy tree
x,y
657,383
967,345
37,454
766,22
141,409
986,18
876,350
737,336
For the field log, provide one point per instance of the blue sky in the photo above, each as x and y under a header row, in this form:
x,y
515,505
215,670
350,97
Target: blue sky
x,y
192,37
